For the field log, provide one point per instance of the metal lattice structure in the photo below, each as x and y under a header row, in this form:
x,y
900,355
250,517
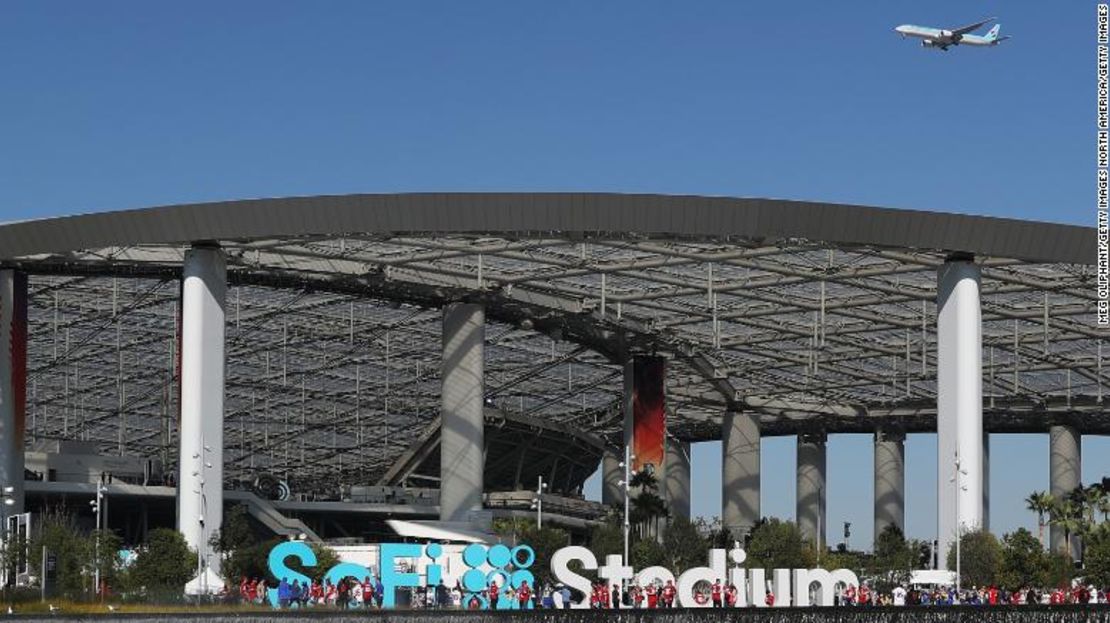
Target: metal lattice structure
x,y
334,340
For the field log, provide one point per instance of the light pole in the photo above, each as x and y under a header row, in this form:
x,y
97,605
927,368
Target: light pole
x,y
202,549
627,485
8,494
9,500
537,502
97,504
959,528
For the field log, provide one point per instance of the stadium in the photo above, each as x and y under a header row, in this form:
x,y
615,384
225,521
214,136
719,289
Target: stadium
x,y
337,362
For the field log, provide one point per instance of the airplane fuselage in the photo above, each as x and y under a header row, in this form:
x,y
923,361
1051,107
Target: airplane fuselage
x,y
940,38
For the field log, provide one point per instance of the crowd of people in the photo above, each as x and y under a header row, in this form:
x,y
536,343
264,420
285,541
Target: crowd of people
x,y
976,595
368,593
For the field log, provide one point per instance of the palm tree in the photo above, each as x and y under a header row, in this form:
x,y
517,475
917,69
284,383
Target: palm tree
x,y
1066,514
648,507
1040,502
1094,498
1104,503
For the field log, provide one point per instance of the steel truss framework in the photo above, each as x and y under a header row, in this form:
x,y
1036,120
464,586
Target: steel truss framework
x,y
334,341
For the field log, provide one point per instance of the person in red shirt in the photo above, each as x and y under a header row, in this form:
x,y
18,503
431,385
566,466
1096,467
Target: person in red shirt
x,y
595,598
769,599
715,594
850,595
523,595
652,596
992,595
668,594
731,593
864,595
1057,596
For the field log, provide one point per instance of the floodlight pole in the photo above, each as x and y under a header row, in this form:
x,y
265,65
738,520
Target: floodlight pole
x,y
627,495
97,505
959,528
540,486
7,500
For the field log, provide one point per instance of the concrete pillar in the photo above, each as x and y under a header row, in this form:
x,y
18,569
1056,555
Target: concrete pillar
x,y
676,478
890,481
611,475
1064,475
13,387
200,488
811,491
740,479
959,401
462,440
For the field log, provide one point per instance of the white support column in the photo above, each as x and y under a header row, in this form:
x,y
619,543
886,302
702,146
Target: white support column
x,y
13,387
811,490
676,478
200,488
959,401
890,481
740,478
1064,475
462,439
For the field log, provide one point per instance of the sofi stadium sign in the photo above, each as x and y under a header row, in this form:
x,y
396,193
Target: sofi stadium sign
x,y
502,565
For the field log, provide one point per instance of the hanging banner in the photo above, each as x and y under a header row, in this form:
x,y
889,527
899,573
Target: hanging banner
x,y
649,426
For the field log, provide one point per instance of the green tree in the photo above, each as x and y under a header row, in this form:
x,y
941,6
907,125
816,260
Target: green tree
x,y
1023,560
777,544
164,564
105,556
683,545
544,542
1096,559
236,530
648,508
843,560
326,558
1059,569
1067,514
1094,497
647,552
980,558
70,551
1040,502
238,546
608,538
894,558
250,561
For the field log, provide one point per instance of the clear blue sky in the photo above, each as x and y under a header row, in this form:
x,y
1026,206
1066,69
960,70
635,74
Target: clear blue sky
x,y
113,105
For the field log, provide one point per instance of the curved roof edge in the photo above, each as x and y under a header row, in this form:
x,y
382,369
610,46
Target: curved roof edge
x,y
770,219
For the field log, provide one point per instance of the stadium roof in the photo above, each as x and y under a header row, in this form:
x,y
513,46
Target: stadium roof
x,y
818,316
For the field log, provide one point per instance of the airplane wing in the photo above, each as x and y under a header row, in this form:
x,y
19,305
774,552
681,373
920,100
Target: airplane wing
x,y
972,27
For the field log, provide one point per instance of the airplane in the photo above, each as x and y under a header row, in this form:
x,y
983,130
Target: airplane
x,y
942,39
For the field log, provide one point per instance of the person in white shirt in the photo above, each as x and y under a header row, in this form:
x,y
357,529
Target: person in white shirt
x,y
899,595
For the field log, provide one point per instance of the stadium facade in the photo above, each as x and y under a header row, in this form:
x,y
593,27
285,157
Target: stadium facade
x,y
333,361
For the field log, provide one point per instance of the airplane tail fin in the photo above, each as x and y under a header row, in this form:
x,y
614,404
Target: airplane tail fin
x,y
992,35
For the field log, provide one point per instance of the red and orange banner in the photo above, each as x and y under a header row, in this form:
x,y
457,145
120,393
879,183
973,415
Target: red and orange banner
x,y
649,426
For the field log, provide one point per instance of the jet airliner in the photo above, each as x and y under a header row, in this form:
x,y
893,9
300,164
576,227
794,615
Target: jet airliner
x,y
942,39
